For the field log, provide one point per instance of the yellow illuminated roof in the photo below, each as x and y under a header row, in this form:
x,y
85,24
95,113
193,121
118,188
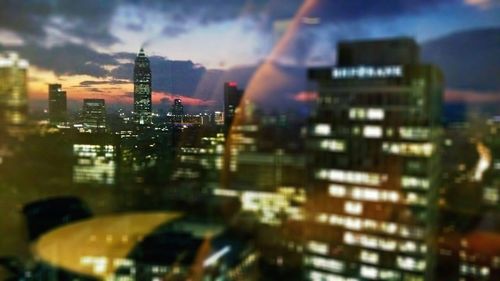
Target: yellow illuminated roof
x,y
98,246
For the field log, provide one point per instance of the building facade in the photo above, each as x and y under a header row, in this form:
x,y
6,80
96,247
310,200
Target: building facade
x,y
57,104
94,115
13,92
373,145
142,90
232,99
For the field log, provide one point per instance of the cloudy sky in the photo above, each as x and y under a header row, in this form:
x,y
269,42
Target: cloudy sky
x,y
88,45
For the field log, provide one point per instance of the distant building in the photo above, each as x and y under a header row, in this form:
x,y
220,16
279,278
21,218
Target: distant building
x,y
374,144
142,89
94,115
13,93
232,99
95,162
177,111
218,118
178,108
57,104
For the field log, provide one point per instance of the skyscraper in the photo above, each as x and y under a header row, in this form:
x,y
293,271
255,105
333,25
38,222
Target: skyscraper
x,y
57,104
232,99
13,94
374,164
94,115
142,89
177,110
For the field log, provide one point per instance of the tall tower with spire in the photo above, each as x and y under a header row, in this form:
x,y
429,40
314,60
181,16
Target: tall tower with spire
x,y
142,89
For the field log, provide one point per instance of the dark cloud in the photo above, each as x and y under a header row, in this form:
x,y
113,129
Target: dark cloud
x,y
88,20
180,77
87,83
95,90
173,31
470,60
66,59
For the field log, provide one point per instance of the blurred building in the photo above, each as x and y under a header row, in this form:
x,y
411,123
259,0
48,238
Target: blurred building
x,y
95,163
373,143
57,104
13,93
218,118
94,115
142,89
177,109
232,99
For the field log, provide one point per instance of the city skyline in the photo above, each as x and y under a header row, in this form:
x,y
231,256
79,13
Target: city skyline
x,y
353,142
102,68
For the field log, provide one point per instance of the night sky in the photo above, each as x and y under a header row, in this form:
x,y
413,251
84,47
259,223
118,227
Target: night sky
x,y
194,46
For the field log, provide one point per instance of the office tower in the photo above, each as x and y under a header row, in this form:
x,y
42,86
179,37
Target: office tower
x,y
95,163
178,108
13,93
232,99
142,89
218,118
57,104
373,145
94,115
177,111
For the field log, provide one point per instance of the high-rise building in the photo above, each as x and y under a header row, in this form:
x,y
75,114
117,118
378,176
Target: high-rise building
x,y
177,111
57,104
142,89
178,108
374,166
94,115
232,99
13,93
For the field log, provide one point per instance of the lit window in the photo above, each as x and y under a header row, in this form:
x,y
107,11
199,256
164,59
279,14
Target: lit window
x,y
408,149
317,247
336,190
350,176
322,130
414,133
353,208
368,257
414,182
410,263
369,272
372,131
375,114
408,246
325,263
332,145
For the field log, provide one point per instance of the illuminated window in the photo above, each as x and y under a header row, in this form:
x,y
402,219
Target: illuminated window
x,y
415,182
369,272
389,275
410,263
325,263
368,257
375,114
322,276
350,176
322,130
372,131
336,190
317,247
408,246
414,133
408,149
366,114
353,208
332,145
